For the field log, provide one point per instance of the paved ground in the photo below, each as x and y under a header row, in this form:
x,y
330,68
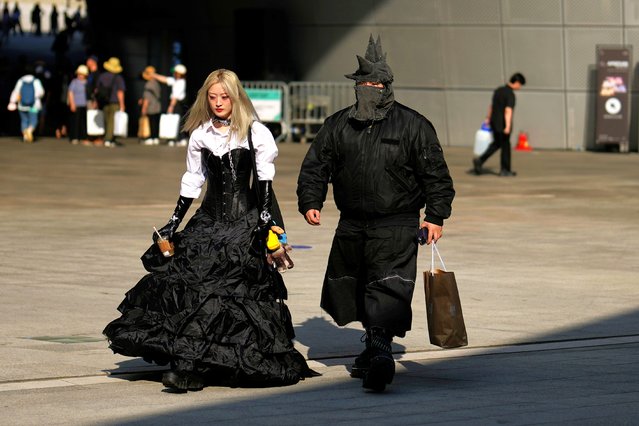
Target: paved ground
x,y
547,265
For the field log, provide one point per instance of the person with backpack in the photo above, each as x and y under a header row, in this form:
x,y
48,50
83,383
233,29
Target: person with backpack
x,y
26,97
110,97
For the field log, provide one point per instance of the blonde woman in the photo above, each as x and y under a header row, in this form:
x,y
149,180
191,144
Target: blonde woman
x,y
214,310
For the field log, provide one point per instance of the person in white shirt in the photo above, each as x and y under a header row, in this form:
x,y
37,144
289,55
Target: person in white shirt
x,y
177,99
215,309
26,97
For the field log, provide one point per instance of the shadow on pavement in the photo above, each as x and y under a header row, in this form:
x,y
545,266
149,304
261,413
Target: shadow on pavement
x,y
588,383
324,339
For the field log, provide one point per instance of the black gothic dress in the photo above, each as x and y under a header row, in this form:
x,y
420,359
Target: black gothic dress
x,y
214,307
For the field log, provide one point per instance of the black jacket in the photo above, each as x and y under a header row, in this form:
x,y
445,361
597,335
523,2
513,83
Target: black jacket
x,y
390,168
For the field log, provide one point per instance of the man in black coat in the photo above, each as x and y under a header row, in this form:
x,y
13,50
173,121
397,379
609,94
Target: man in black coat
x,y
385,163
500,118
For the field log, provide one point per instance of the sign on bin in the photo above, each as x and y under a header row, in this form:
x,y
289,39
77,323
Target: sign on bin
x,y
267,103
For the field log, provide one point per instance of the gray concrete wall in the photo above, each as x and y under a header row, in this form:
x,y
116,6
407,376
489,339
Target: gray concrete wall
x,y
448,56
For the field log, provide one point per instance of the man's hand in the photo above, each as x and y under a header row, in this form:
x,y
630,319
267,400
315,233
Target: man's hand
x,y
434,231
312,217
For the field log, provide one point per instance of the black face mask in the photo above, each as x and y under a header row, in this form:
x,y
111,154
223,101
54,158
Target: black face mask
x,y
372,103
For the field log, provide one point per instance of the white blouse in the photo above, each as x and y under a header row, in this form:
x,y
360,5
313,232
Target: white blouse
x,y
208,137
178,88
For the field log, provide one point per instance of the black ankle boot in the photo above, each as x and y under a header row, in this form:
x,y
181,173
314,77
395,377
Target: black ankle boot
x,y
182,381
382,365
363,361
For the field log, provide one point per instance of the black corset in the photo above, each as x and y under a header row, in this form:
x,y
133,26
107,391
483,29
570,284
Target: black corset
x,y
228,194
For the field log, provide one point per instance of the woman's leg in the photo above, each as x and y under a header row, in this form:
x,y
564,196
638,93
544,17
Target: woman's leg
x,y
154,124
82,123
24,126
73,126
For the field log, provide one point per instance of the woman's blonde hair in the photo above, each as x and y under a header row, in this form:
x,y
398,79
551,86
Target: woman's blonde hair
x,y
242,114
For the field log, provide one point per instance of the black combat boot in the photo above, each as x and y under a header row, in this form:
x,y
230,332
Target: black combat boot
x,y
382,365
363,361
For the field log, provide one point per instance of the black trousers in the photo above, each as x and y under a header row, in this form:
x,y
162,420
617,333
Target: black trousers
x,y
154,125
501,141
78,124
370,276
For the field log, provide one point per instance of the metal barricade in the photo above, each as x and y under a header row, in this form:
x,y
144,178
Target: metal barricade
x,y
296,111
312,102
271,100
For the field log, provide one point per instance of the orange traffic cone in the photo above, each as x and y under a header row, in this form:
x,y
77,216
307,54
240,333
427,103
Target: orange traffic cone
x,y
522,144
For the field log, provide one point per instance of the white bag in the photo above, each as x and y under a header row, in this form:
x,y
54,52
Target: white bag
x,y
483,138
121,124
169,126
95,122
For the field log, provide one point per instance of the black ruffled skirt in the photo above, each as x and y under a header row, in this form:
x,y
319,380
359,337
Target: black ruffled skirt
x,y
212,308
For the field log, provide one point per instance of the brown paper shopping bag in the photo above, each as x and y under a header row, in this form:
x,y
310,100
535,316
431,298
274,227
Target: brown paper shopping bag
x,y
446,327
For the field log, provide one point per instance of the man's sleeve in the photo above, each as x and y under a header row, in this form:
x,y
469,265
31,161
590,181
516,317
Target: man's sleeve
x,y
312,183
511,100
120,85
432,174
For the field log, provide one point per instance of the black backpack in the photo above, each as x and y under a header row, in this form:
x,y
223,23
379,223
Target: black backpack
x,y
103,93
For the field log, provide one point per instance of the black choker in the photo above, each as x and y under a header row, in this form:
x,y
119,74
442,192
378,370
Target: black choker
x,y
226,122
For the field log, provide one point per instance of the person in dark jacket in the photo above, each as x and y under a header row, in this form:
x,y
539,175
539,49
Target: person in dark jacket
x,y
385,163
500,119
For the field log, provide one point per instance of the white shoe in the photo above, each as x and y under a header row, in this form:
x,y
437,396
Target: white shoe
x,y
156,141
109,144
148,142
182,142
171,143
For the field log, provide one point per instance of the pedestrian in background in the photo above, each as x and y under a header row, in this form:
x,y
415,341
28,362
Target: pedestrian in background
x,y
110,96
177,99
36,20
15,20
151,105
6,24
500,118
91,86
77,100
385,164
26,97
92,80
53,21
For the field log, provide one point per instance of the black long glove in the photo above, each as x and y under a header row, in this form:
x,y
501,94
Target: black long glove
x,y
265,205
169,229
264,221
279,256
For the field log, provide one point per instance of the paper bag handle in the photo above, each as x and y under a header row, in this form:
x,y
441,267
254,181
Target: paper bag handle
x,y
433,250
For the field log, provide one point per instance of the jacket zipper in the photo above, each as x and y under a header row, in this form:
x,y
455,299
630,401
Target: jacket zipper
x,y
365,178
